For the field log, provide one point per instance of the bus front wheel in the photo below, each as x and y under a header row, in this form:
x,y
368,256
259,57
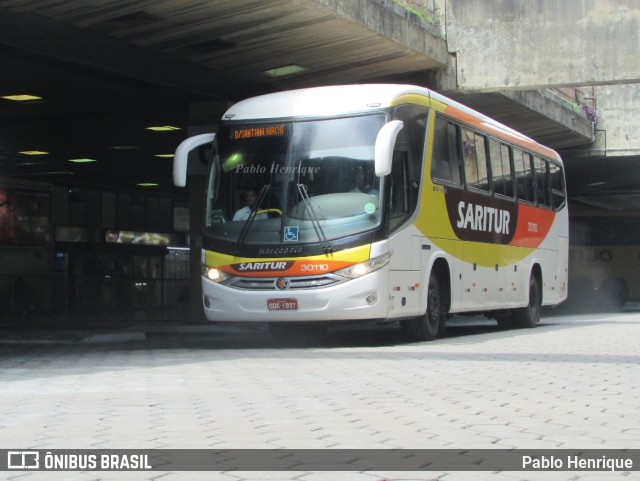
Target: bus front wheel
x,y
432,323
529,316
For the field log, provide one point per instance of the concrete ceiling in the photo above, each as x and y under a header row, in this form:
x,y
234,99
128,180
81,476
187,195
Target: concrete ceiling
x,y
106,70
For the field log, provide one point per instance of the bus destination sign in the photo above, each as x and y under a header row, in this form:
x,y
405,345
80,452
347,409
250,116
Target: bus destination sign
x,y
257,132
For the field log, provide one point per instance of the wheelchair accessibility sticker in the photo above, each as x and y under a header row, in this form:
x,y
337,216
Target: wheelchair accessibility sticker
x,y
291,233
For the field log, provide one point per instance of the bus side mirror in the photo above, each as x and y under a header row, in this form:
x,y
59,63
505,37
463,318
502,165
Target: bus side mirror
x,y
385,141
181,159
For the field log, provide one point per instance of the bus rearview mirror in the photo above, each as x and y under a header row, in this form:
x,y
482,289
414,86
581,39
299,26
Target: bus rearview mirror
x,y
385,141
181,159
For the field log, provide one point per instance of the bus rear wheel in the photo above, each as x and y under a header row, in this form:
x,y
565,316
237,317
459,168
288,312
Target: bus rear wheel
x,y
432,323
529,316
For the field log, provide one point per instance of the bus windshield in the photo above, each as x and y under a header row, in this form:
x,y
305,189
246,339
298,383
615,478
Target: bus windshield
x,y
293,182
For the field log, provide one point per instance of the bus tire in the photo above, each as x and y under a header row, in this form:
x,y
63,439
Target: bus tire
x,y
432,323
529,316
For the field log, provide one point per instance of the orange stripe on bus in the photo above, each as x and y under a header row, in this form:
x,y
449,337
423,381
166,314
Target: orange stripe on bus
x,y
295,268
533,226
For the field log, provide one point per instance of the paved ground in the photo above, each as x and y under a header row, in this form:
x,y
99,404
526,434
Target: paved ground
x,y
570,383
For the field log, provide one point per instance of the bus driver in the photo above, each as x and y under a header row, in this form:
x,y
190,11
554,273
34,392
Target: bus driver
x,y
250,197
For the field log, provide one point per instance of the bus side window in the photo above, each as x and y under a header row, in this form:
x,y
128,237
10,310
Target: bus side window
x,y
542,182
557,186
522,165
413,135
470,160
481,156
399,206
502,179
444,160
475,160
530,177
507,169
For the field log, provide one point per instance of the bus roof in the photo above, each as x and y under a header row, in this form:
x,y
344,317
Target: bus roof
x,y
361,98
321,101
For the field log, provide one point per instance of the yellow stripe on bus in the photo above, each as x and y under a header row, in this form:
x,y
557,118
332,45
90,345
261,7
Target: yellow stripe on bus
x,y
353,255
434,223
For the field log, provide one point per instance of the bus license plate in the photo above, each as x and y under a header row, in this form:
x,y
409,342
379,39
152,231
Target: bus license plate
x,y
282,304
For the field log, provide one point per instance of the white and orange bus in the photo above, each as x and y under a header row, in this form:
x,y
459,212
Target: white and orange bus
x,y
377,202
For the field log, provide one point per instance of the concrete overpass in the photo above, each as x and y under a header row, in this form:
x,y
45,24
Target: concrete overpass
x,y
107,70
514,62
543,43
493,56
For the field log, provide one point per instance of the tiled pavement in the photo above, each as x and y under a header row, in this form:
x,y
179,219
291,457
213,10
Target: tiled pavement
x,y
570,383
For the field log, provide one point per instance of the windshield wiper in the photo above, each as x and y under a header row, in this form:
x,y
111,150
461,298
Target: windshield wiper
x,y
252,215
326,244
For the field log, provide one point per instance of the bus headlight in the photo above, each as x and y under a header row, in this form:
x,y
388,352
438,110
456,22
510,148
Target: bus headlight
x,y
358,270
213,274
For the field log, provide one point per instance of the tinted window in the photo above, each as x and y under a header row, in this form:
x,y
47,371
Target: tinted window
x,y
501,168
543,187
475,160
524,175
408,159
557,185
445,165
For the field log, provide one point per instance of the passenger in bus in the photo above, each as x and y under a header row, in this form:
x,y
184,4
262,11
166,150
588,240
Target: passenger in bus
x,y
363,184
250,197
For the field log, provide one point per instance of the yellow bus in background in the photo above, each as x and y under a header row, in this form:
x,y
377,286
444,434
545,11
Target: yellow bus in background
x,y
604,259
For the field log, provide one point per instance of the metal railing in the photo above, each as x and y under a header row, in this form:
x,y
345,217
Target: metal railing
x,y
22,296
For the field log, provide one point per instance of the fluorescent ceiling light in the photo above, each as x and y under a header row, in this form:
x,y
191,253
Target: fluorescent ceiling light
x,y
147,184
124,147
595,184
33,152
82,161
283,71
22,97
165,156
163,128
25,164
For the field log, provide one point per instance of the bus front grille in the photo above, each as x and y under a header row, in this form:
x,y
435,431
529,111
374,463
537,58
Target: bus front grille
x,y
269,283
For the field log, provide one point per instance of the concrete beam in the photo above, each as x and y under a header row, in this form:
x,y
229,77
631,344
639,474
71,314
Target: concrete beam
x,y
562,126
533,44
538,113
618,125
396,24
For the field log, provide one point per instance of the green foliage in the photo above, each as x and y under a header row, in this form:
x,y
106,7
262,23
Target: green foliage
x,y
421,12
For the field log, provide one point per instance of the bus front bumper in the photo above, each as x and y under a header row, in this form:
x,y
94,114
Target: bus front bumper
x,y
356,299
